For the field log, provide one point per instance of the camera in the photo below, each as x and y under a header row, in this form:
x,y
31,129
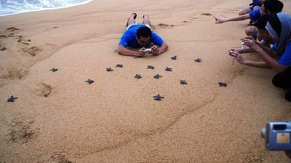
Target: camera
x,y
277,135
149,50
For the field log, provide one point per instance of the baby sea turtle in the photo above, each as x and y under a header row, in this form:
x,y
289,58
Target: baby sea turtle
x,y
138,76
174,57
221,84
151,67
168,69
109,69
54,69
89,81
157,76
119,65
183,82
11,99
198,60
158,97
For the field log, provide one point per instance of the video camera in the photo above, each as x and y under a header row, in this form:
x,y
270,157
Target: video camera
x,y
277,135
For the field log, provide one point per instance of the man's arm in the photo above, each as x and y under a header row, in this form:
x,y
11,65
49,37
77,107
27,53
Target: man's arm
x,y
264,55
219,20
128,52
159,50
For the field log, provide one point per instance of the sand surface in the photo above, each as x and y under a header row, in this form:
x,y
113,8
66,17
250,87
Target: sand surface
x,y
58,117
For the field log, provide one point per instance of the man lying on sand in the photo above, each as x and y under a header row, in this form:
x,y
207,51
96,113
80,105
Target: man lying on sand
x,y
139,39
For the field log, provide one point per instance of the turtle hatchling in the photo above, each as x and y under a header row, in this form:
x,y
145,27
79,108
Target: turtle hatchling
x,y
222,84
168,69
174,57
11,99
89,81
150,67
157,76
183,82
119,65
109,69
198,60
54,69
158,97
138,76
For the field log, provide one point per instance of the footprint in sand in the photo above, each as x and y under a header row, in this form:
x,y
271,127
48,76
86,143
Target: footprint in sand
x,y
13,72
21,132
206,14
23,41
2,47
32,51
43,90
11,30
162,25
58,157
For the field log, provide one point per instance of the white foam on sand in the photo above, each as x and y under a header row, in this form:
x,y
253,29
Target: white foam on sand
x,y
12,7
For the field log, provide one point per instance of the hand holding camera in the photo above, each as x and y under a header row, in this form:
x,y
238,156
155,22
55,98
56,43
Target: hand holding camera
x,y
148,50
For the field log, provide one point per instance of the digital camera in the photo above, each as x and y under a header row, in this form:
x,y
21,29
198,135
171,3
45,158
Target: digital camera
x,y
149,50
277,135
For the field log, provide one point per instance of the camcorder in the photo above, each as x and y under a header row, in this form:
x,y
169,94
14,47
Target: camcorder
x,y
277,135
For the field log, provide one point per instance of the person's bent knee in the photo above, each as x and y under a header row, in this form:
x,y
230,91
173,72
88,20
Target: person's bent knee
x,y
276,81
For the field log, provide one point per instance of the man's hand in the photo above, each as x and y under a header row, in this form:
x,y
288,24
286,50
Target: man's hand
x,y
250,42
219,20
141,52
155,50
236,55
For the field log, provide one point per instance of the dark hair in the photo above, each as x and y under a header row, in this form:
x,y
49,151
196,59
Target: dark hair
x,y
275,24
273,6
262,22
144,32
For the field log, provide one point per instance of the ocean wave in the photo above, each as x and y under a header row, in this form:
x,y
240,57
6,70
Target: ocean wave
x,y
11,7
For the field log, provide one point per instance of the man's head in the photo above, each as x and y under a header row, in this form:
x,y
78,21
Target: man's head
x,y
261,24
271,7
143,35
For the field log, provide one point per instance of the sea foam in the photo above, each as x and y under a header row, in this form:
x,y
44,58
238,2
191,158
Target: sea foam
x,y
11,7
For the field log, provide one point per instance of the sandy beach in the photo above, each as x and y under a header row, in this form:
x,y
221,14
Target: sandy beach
x,y
58,117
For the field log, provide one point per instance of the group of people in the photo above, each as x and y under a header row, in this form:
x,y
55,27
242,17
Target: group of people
x,y
269,35
270,38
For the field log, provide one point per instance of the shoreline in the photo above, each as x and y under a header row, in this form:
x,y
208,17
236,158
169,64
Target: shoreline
x,y
45,9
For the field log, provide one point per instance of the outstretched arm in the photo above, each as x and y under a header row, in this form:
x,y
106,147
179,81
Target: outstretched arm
x,y
128,52
220,20
272,62
236,55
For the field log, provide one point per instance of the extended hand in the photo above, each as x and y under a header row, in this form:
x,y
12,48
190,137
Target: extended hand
x,y
236,55
141,52
155,50
250,42
219,20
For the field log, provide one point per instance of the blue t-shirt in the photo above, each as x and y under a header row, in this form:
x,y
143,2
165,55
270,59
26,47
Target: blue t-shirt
x,y
128,39
255,14
286,56
255,3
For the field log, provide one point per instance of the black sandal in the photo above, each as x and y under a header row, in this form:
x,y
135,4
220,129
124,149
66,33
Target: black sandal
x,y
135,15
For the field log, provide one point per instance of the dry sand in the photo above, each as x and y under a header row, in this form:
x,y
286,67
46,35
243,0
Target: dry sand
x,y
58,117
